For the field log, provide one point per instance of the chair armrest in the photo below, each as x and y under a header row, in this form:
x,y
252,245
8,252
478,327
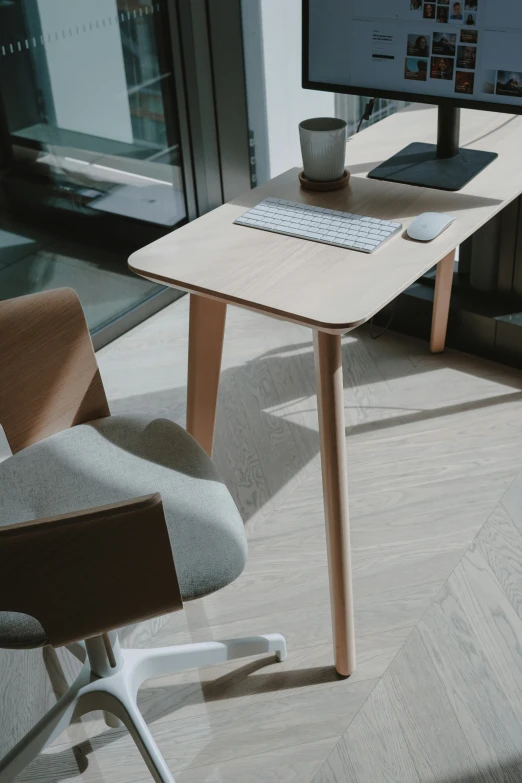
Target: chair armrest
x,y
88,572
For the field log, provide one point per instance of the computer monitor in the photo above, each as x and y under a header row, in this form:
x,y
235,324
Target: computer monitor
x,y
454,53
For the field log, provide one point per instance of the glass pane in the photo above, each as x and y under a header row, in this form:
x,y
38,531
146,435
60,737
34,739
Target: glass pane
x,y
352,107
91,144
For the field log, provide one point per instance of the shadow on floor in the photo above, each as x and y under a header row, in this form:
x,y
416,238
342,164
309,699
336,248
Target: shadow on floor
x,y
293,362
74,760
285,377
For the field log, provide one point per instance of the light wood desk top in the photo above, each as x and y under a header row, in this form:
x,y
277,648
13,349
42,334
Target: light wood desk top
x,y
329,288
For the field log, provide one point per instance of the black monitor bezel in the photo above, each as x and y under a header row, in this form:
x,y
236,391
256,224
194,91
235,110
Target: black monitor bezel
x,y
395,95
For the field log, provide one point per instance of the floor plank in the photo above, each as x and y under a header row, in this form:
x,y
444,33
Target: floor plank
x,y
511,501
372,748
432,732
470,671
296,764
500,543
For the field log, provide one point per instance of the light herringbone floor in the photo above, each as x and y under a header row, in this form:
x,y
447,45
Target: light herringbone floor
x,y
434,449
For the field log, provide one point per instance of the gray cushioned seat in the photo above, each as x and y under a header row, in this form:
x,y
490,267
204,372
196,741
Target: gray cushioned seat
x,y
119,458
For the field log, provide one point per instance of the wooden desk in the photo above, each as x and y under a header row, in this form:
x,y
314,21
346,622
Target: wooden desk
x,y
330,289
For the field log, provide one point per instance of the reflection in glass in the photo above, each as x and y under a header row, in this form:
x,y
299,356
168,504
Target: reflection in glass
x,y
90,136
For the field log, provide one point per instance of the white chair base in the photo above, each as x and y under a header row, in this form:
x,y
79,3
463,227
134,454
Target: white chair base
x,y
109,681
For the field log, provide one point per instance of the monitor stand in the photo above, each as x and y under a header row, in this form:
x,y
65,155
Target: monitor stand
x,y
444,166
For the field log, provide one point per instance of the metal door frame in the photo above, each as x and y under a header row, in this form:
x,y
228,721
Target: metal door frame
x,y
207,51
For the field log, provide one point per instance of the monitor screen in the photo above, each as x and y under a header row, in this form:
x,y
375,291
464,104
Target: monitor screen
x,y
467,51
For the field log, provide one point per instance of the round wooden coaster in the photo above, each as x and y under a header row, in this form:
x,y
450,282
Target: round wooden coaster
x,y
335,184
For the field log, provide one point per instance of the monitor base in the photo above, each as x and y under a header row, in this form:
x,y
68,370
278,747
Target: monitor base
x,y
418,164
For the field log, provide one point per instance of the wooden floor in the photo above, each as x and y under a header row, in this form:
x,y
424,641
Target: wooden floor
x,y
434,448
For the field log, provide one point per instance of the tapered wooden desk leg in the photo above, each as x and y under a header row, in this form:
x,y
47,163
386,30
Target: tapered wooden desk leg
x,y
441,303
206,332
329,378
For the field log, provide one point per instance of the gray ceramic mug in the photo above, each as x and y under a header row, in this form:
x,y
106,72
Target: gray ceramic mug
x,y
323,147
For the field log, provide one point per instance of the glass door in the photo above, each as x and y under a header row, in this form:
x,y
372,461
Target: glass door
x,y
92,165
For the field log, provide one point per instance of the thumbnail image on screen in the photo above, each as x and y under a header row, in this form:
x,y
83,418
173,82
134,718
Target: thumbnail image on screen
x,y
445,43
416,70
509,83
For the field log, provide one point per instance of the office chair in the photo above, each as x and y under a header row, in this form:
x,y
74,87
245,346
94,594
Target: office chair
x,y
104,521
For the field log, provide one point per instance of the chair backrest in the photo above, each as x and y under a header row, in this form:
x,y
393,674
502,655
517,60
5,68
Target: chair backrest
x,y
49,377
88,572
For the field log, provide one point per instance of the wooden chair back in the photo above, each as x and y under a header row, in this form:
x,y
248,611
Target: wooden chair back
x,y
88,572
49,377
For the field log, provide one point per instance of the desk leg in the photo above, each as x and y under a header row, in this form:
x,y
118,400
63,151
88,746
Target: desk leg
x,y
441,303
206,332
329,379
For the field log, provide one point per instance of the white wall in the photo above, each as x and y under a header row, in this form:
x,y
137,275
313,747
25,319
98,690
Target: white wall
x,y
276,101
86,68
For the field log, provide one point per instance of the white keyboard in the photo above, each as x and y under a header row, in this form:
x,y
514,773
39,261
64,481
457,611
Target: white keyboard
x,y
330,226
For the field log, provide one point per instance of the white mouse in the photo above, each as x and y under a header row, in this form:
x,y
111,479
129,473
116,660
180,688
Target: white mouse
x,y
429,225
